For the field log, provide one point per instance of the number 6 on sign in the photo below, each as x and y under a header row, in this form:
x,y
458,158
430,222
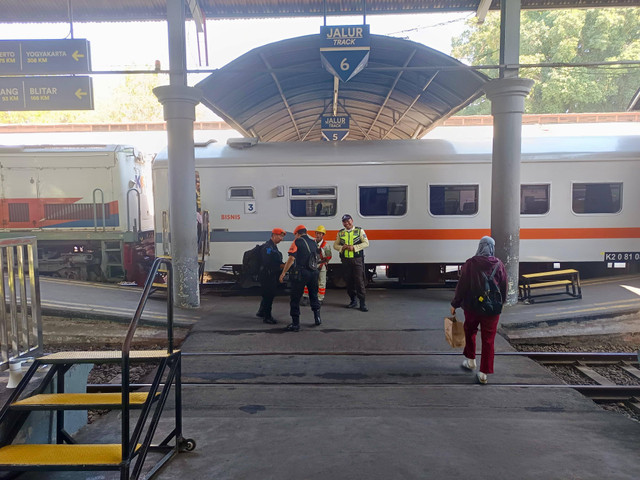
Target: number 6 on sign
x,y
344,65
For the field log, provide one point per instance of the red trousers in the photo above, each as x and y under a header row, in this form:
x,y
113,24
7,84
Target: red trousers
x,y
488,327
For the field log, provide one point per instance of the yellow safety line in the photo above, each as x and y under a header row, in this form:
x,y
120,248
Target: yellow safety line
x,y
598,304
62,281
603,281
584,310
103,309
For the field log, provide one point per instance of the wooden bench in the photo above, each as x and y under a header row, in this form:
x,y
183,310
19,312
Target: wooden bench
x,y
543,281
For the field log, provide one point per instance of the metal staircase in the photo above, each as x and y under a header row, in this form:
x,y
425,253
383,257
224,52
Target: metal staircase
x,y
128,457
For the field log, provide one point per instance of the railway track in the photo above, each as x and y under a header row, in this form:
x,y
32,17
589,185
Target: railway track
x,y
604,377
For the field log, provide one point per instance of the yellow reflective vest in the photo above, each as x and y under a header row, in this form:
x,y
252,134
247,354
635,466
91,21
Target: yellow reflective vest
x,y
353,237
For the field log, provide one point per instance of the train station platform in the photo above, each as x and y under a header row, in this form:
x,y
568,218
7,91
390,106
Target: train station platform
x,y
381,395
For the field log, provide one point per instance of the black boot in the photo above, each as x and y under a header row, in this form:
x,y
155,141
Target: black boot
x,y
363,306
353,303
294,326
260,313
269,320
316,317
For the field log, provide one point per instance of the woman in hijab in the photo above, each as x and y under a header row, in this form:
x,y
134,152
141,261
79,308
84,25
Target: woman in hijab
x,y
469,286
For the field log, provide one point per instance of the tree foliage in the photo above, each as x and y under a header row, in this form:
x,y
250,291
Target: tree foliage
x,y
564,36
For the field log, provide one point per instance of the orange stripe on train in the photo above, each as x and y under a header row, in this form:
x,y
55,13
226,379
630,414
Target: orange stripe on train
x,y
477,233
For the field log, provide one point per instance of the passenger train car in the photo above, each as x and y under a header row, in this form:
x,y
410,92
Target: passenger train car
x,y
423,203
89,206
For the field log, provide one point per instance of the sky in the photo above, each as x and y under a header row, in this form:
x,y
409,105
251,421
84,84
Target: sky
x,y
136,45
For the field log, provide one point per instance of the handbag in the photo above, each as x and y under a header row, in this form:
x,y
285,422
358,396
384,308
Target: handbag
x,y
454,332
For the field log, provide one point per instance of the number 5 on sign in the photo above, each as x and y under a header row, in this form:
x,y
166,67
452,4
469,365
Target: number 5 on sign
x,y
249,207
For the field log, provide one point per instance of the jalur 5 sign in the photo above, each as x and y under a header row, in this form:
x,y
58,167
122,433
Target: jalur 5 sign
x,y
335,127
344,50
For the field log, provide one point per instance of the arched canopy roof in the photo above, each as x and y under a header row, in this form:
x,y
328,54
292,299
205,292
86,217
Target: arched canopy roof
x,y
279,92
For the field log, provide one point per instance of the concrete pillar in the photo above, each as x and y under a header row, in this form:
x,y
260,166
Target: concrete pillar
x,y
179,104
507,105
509,38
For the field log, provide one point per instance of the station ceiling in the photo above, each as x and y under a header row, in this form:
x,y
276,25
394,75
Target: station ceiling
x,y
279,92
28,11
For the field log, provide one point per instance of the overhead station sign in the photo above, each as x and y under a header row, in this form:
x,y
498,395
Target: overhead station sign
x,y
344,50
44,56
335,127
46,93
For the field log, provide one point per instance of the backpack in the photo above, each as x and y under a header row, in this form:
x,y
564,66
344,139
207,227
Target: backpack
x,y
252,262
489,301
312,261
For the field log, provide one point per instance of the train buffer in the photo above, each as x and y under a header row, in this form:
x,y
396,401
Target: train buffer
x,y
536,285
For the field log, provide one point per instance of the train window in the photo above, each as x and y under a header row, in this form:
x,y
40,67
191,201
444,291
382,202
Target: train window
x,y
534,199
453,199
18,212
313,201
596,197
240,193
383,201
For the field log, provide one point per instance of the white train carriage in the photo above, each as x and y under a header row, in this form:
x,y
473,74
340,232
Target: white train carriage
x,y
424,204
86,204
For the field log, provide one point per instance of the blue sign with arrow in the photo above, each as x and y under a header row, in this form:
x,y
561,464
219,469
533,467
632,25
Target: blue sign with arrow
x,y
45,93
344,50
44,56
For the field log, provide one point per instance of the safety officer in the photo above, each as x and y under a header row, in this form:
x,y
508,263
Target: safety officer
x,y
270,266
299,252
324,252
351,242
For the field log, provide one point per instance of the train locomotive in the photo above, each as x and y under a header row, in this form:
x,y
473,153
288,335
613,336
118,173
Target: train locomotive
x,y
90,207
423,203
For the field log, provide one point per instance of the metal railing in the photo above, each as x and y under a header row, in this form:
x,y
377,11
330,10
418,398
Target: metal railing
x,y
20,318
136,226
95,210
129,444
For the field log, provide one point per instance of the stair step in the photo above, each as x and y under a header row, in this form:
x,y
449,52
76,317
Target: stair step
x,y
75,455
79,401
102,356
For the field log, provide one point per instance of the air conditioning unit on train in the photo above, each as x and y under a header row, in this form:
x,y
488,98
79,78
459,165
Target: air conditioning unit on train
x,y
241,143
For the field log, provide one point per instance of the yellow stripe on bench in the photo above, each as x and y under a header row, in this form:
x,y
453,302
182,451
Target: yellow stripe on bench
x,y
550,284
550,274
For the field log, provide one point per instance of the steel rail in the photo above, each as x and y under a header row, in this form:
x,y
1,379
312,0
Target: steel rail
x,y
538,356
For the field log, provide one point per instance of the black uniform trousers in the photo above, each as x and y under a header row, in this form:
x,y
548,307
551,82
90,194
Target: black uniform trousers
x,y
310,279
268,289
354,276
